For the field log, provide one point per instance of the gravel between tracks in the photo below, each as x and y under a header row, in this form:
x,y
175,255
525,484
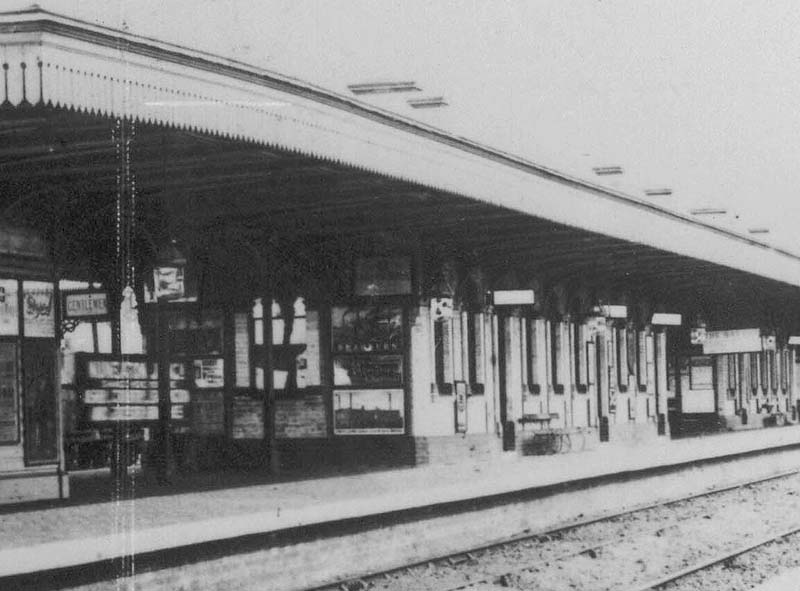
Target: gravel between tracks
x,y
630,550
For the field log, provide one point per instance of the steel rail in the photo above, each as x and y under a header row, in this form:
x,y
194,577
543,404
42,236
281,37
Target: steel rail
x,y
719,558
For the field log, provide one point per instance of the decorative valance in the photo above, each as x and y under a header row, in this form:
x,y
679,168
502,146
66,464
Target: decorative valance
x,y
54,62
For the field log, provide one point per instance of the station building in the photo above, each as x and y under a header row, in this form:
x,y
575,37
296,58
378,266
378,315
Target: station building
x,y
321,283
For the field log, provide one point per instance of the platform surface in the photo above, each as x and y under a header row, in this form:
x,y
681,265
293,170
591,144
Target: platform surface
x,y
34,539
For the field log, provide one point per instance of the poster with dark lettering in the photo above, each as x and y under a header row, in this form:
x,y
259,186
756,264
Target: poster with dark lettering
x,y
367,329
368,371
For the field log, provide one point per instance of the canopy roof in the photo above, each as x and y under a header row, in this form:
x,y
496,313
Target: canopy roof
x,y
231,138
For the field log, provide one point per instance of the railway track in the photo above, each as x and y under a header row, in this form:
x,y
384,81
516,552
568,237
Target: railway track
x,y
718,559
506,577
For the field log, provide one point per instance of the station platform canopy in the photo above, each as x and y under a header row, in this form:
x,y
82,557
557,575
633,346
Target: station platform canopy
x,y
218,142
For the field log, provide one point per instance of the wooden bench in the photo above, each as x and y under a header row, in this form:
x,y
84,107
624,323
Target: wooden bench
x,y
541,419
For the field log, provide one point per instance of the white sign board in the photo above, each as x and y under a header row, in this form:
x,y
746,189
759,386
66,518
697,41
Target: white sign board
x,y
746,340
663,319
614,311
85,304
513,297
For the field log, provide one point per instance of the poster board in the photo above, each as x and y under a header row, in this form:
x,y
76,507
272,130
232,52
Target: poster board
x,y
248,418
208,413
115,390
369,412
9,307
38,309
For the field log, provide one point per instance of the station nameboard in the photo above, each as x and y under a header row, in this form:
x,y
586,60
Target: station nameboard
x,y
85,304
746,340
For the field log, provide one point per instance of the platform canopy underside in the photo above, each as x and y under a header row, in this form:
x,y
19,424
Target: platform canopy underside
x,y
214,144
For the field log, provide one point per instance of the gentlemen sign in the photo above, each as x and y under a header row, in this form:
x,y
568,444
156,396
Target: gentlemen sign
x,y
85,305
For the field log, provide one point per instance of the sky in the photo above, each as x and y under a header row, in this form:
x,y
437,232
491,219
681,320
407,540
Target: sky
x,y
696,96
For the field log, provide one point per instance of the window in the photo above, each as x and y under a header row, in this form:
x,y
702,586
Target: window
x,y
475,347
534,336
556,348
641,359
772,364
785,365
290,364
733,375
621,350
631,340
443,355
763,371
742,367
754,363
578,331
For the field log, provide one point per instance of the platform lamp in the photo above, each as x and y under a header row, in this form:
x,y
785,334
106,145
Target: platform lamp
x,y
169,273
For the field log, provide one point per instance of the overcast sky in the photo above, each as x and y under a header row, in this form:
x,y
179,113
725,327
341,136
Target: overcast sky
x,y
700,97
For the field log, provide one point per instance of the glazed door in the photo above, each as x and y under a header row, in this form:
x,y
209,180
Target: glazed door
x,y
40,403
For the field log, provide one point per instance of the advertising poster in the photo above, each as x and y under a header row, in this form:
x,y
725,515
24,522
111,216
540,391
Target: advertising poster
x,y
248,418
208,413
368,371
301,418
367,329
208,373
9,307
368,412
38,311
127,370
